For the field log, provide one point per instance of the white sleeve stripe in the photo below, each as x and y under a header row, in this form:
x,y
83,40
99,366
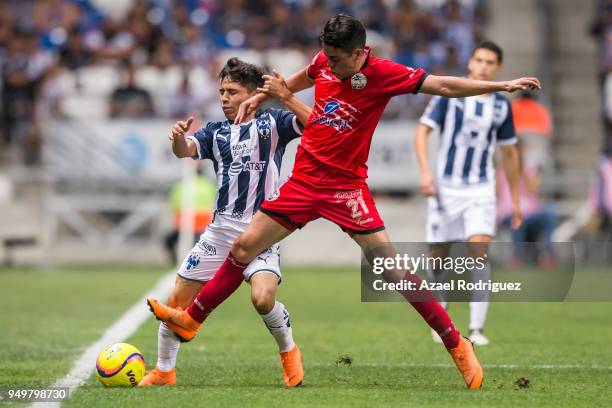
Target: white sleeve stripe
x,y
197,144
296,127
504,142
429,122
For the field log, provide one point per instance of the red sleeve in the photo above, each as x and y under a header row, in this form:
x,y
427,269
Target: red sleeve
x,y
317,62
400,79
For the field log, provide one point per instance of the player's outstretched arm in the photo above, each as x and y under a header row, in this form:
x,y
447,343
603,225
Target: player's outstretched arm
x,y
510,160
421,139
276,87
295,83
455,87
180,146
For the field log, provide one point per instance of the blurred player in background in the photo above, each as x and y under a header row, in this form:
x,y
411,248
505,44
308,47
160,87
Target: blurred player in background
x,y
461,190
247,160
352,88
204,201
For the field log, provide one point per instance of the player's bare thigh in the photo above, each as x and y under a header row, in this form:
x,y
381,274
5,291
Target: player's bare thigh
x,y
261,233
377,245
185,290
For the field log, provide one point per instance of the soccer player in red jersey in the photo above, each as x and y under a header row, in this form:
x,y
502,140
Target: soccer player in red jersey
x,y
352,88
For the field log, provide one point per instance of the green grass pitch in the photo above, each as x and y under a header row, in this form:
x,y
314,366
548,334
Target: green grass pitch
x,y
48,318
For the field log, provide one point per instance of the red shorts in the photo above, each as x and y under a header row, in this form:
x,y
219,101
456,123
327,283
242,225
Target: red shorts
x,y
298,203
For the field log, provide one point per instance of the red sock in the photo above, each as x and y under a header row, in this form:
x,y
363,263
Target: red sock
x,y
225,282
434,314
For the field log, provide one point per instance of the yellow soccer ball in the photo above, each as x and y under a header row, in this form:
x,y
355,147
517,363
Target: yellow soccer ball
x,y
120,365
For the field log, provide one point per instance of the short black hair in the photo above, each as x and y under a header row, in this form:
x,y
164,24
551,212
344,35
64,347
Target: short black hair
x,y
247,75
344,32
491,46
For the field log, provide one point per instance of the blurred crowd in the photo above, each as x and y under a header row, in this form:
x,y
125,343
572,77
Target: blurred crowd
x,y
42,41
600,196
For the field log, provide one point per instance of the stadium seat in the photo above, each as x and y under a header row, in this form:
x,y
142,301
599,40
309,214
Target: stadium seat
x,y
68,82
98,80
286,61
86,106
149,77
251,56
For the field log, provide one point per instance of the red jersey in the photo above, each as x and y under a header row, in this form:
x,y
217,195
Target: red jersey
x,y
336,140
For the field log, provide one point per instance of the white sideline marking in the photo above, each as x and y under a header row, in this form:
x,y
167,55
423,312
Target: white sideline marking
x,y
503,366
123,328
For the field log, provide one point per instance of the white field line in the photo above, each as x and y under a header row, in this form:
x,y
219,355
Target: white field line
x,y
502,366
123,328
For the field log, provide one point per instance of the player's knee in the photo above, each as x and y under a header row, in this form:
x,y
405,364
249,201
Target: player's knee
x,y
263,300
241,249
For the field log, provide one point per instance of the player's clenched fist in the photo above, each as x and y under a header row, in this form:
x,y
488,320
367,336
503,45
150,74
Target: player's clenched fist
x,y
275,86
523,84
180,128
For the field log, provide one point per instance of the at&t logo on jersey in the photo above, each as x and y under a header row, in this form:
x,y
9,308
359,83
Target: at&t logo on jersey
x,y
238,167
254,166
334,113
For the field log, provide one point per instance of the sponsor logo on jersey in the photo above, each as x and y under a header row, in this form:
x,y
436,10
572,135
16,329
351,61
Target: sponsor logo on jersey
x,y
236,168
331,107
334,113
346,195
241,149
257,166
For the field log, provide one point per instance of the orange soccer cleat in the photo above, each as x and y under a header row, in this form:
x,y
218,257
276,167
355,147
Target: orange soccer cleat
x,y
293,372
177,320
465,359
158,377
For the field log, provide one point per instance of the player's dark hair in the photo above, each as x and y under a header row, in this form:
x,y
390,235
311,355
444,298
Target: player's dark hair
x,y
344,32
247,75
491,46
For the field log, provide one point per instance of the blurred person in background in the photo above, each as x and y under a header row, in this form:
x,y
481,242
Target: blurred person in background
x,y
461,190
204,191
601,29
23,70
74,53
599,224
540,218
130,100
534,128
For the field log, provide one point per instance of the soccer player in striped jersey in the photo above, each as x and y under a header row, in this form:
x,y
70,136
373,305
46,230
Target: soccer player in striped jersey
x,y
461,191
352,87
247,160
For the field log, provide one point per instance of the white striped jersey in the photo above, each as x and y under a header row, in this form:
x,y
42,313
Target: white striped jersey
x,y
470,128
246,158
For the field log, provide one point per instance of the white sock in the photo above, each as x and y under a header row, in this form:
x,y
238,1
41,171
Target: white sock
x,y
480,299
167,348
478,315
277,321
